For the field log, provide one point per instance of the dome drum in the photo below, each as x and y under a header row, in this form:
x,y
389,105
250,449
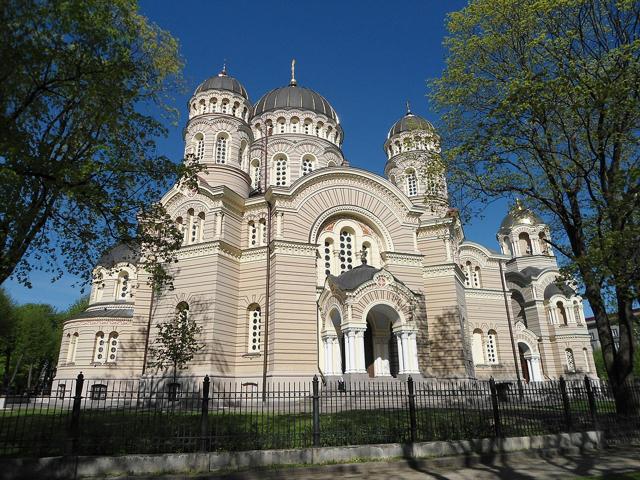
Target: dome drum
x,y
298,123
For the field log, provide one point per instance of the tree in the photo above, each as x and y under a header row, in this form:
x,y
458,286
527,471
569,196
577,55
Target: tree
x,y
7,334
177,342
83,97
541,99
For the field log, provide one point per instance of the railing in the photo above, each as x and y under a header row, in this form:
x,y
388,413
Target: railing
x,y
90,417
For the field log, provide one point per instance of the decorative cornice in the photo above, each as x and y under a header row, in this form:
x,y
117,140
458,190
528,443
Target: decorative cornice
x,y
442,270
484,293
298,249
96,321
209,248
393,258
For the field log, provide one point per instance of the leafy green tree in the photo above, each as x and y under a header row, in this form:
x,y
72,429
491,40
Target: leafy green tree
x,y
7,335
541,99
83,100
178,340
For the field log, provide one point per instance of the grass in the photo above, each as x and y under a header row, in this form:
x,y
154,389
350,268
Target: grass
x,y
113,432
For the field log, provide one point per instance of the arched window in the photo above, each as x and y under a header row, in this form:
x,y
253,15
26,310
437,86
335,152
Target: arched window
x,y
255,328
182,311
476,277
328,254
202,106
123,290
234,109
319,132
212,105
544,246
294,124
412,183
225,106
280,167
242,153
281,125
366,248
506,246
577,312
477,352
253,234
467,274
525,244
307,165
331,164
585,356
112,353
563,312
73,347
196,223
571,361
182,229
346,250
307,127
99,290
255,173
100,348
492,347
221,148
199,147
263,231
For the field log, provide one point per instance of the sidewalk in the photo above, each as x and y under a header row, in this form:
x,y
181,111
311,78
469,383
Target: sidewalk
x,y
608,464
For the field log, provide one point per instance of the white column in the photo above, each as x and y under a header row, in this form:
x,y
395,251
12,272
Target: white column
x,y
401,363
359,351
534,369
347,352
279,224
405,352
337,357
328,355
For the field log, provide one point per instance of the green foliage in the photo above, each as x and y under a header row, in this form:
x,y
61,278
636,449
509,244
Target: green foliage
x,y
601,368
176,343
541,99
84,98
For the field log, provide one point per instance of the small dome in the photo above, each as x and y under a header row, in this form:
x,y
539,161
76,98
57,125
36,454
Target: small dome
x,y
292,96
519,215
408,123
222,81
121,253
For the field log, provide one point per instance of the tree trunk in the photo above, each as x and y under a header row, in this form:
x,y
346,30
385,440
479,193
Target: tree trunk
x,y
7,369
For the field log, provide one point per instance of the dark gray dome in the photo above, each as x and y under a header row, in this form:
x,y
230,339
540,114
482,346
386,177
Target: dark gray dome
x,y
121,253
222,81
292,96
408,123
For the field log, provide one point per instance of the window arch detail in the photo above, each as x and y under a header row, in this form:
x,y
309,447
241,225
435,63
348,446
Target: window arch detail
x,y
492,347
222,148
255,328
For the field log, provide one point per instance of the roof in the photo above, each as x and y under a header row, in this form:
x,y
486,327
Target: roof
x,y
408,123
121,253
520,215
352,279
555,289
105,312
222,81
294,97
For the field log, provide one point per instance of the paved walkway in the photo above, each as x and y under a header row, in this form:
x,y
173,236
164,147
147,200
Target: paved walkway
x,y
608,464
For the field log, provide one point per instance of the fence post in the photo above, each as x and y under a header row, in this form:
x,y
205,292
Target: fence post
x,y
75,414
412,409
496,412
592,402
565,403
316,412
204,417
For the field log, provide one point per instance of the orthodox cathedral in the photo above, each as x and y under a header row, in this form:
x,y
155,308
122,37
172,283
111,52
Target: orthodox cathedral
x,y
294,263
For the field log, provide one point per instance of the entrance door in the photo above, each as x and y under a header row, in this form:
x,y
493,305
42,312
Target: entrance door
x,y
523,362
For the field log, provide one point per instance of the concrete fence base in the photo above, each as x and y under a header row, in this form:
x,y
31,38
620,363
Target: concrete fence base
x,y
176,463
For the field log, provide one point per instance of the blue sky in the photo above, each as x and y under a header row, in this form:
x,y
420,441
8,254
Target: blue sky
x,y
366,57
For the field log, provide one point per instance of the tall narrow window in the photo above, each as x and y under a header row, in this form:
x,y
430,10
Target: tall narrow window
x,y
100,348
73,347
199,150
412,183
281,125
307,165
467,274
571,361
544,246
476,277
307,127
346,251
563,313
281,171
181,228
182,311
525,244
328,251
294,125
577,312
253,234
263,231
225,106
255,328
123,292
476,348
221,149
492,348
255,173
112,352
366,248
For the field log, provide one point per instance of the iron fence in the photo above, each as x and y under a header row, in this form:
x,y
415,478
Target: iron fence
x,y
91,417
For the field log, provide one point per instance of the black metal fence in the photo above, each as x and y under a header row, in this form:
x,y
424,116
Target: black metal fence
x,y
88,417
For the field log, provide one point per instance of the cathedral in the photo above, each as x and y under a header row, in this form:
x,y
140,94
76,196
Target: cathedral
x,y
296,264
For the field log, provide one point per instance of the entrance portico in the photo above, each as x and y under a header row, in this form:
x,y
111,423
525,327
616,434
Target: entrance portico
x,y
368,327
